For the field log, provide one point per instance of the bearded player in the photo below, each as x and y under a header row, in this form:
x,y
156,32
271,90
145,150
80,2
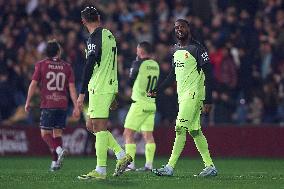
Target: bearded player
x,y
54,77
193,74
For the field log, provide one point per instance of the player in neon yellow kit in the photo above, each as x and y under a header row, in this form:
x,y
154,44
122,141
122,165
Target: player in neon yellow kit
x,y
100,79
144,75
193,74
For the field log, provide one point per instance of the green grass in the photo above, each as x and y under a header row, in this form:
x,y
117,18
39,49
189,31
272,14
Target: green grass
x,y
31,173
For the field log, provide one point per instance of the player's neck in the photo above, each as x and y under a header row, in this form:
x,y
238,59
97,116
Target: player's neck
x,y
183,43
92,28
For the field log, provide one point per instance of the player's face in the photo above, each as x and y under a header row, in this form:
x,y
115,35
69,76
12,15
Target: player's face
x,y
181,30
139,52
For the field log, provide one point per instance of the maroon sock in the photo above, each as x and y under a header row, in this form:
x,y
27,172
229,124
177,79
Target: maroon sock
x,y
54,156
57,141
48,139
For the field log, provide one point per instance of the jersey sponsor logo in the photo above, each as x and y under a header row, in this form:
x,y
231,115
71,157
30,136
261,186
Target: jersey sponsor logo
x,y
91,48
205,56
182,120
179,64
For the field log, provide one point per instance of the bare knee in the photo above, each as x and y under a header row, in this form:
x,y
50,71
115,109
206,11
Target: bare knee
x,y
99,125
57,133
148,136
89,125
129,136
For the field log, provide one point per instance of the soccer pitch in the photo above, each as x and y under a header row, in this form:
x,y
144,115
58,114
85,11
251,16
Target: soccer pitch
x,y
32,173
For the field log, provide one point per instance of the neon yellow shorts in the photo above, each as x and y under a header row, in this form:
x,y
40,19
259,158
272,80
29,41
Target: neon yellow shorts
x,y
189,114
140,116
99,105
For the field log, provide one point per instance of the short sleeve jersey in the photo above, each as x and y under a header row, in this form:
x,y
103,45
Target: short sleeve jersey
x,y
146,74
102,45
190,78
53,76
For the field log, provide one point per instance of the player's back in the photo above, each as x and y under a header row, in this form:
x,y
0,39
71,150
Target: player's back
x,y
53,75
104,78
146,80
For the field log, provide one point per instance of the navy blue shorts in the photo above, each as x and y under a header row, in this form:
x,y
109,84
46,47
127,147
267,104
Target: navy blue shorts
x,y
53,119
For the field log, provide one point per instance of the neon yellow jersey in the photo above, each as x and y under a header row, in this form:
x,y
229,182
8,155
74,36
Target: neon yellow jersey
x,y
145,74
102,44
189,75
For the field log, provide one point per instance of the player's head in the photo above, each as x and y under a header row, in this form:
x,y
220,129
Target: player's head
x,y
90,15
52,49
182,29
144,49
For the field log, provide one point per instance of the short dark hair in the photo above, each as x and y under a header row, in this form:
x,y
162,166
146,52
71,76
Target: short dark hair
x,y
146,46
184,21
52,48
90,14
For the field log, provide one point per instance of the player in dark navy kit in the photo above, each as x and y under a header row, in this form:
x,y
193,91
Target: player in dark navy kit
x,y
55,77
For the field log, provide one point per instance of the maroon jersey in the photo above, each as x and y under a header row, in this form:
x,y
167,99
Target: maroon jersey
x,y
54,76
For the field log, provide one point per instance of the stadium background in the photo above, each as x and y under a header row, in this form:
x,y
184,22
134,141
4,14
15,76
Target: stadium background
x,y
245,40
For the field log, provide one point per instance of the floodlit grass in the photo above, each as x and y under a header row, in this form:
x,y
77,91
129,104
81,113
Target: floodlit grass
x,y
32,173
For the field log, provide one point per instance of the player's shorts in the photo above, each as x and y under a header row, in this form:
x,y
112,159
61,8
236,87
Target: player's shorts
x,y
99,105
189,114
140,116
52,119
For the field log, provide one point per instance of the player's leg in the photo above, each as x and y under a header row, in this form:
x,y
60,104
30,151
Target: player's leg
x,y
147,132
200,140
133,122
150,148
179,143
99,112
59,124
130,146
46,125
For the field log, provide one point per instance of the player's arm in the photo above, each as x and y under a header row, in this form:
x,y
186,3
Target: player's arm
x,y
33,85
134,72
206,66
93,58
31,92
171,77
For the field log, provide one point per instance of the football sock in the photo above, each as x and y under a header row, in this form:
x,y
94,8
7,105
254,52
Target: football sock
x,y
57,141
150,149
177,148
202,146
114,146
101,148
101,170
48,139
131,150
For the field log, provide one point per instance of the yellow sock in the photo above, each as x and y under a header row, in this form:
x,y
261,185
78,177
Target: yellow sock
x,y
150,149
101,148
131,150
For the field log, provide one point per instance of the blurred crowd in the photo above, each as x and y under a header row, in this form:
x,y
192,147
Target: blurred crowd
x,y
245,40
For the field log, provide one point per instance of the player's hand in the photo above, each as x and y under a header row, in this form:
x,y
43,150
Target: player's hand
x,y
114,104
27,107
80,101
152,94
76,112
207,108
